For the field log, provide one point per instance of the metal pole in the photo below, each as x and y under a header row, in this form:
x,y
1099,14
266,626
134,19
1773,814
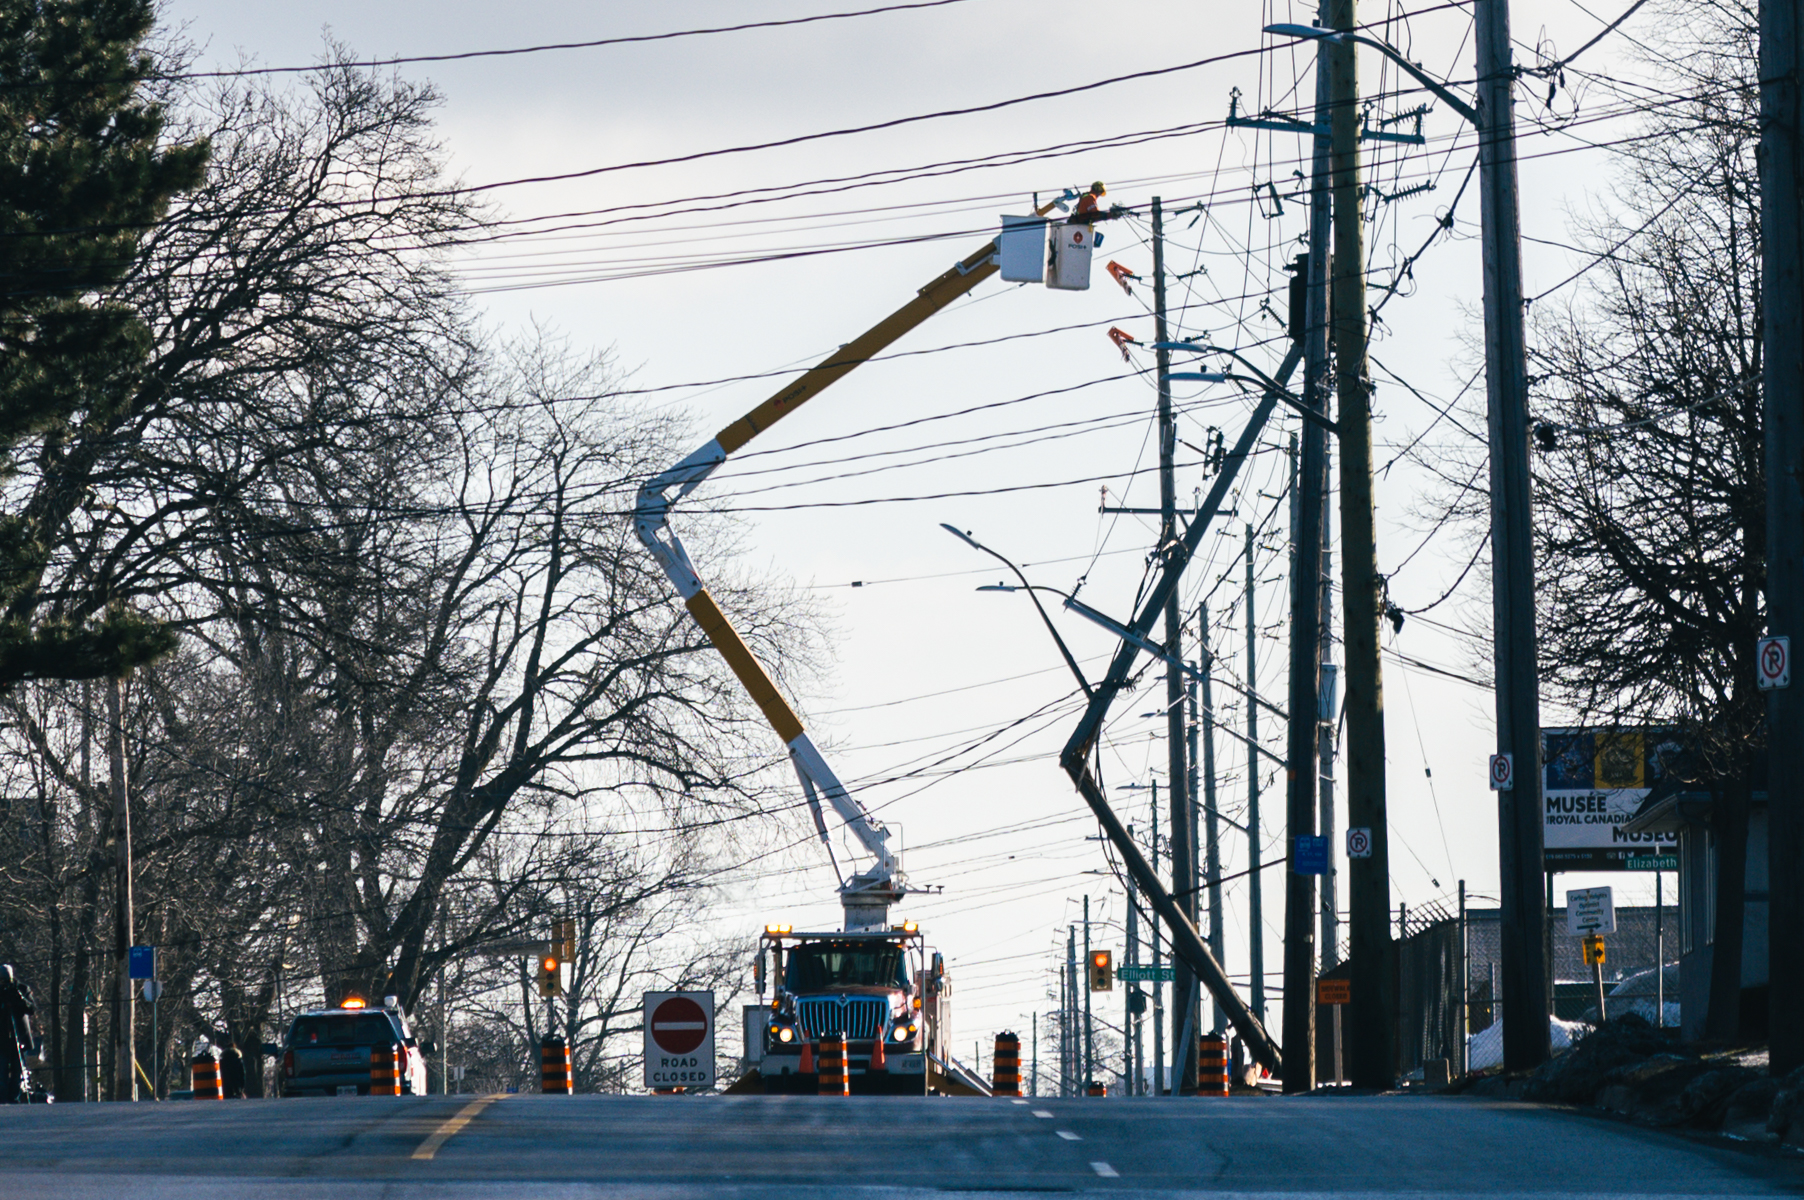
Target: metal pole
x,y
1465,985
1033,1078
1374,1004
1782,399
1158,1080
1089,1030
1255,888
1218,938
1130,1022
1071,1037
1519,815
1184,990
125,1083
1659,952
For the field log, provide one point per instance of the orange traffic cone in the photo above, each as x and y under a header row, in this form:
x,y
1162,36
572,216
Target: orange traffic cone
x,y
878,1061
807,1064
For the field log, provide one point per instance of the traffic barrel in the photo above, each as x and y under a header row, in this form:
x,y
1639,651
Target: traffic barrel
x,y
1006,1066
554,1066
385,1070
1098,1089
1212,1065
835,1080
206,1076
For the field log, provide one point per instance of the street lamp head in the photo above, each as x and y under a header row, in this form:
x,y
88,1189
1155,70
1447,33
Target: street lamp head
x,y
1303,31
961,535
997,587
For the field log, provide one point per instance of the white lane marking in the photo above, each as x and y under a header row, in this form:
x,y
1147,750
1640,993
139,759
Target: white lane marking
x,y
1069,1136
1017,1102
1105,1170
1042,1114
444,1133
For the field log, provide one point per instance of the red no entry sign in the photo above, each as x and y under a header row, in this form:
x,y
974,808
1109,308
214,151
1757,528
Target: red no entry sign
x,y
678,1025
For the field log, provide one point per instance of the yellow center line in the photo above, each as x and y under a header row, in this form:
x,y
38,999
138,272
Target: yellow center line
x,y
444,1133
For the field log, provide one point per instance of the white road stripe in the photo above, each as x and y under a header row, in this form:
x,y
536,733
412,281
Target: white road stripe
x,y
1042,1114
1069,1136
1105,1170
444,1133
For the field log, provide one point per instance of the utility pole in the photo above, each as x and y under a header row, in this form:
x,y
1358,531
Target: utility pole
x,y
1519,814
125,1083
1069,1034
1158,1080
1255,892
1372,1033
1782,398
1033,1078
1089,1030
1218,940
1185,991
1309,645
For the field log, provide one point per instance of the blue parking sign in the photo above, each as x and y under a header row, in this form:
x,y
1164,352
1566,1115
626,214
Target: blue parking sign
x,y
1311,857
141,962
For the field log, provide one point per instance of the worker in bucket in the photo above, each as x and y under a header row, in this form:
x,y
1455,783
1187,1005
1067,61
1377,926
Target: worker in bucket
x,y
1087,212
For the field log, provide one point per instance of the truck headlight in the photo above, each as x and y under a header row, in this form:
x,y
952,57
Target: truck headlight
x,y
786,1034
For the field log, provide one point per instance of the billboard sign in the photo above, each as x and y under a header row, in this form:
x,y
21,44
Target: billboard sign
x,y
1593,782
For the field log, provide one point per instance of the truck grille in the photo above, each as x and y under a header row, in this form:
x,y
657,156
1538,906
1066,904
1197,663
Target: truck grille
x,y
855,1016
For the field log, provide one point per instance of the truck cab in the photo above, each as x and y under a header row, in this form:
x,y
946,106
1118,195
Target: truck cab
x,y
876,987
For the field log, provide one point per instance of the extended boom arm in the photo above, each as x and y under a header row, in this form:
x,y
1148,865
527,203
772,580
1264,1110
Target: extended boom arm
x,y
867,895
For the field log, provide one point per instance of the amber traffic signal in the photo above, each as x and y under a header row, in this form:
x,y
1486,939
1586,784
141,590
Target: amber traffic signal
x,y
551,979
1102,971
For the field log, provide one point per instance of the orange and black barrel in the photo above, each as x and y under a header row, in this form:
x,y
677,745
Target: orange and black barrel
x,y
1212,1065
835,1078
1097,1089
554,1066
385,1070
1006,1067
206,1077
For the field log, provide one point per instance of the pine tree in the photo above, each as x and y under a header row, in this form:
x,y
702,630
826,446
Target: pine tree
x,y
83,174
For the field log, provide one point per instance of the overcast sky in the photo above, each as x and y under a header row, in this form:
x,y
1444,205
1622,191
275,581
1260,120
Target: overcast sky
x,y
924,666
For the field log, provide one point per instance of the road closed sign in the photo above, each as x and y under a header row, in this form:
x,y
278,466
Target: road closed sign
x,y
679,1039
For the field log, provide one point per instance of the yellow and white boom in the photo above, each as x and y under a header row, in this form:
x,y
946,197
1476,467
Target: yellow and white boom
x,y
867,895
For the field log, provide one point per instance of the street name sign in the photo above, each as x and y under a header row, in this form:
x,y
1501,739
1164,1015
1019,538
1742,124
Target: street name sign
x,y
1141,974
679,1039
1590,911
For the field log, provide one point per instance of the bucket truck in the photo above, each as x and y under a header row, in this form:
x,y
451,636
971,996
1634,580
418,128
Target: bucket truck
x,y
822,980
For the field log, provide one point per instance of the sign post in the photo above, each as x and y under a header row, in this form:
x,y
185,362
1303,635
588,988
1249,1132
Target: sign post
x,y
679,1040
1590,914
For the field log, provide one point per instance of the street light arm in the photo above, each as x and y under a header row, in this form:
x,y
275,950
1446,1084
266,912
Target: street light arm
x,y
1440,90
1070,659
1267,384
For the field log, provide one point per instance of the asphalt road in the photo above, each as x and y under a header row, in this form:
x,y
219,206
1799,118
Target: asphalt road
x,y
760,1148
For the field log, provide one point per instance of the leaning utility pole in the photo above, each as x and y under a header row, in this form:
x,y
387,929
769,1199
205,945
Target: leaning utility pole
x,y
1371,1033
1782,398
1218,939
1519,817
125,1082
1255,889
1309,602
1183,837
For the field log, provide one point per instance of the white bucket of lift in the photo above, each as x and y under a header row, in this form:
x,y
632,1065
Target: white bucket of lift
x,y
1069,249
1018,251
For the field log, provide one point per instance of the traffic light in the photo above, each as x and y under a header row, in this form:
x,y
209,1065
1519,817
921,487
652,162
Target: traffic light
x,y
1102,971
551,978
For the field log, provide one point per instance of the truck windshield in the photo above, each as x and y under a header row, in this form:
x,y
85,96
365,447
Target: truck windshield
x,y
352,1029
824,966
